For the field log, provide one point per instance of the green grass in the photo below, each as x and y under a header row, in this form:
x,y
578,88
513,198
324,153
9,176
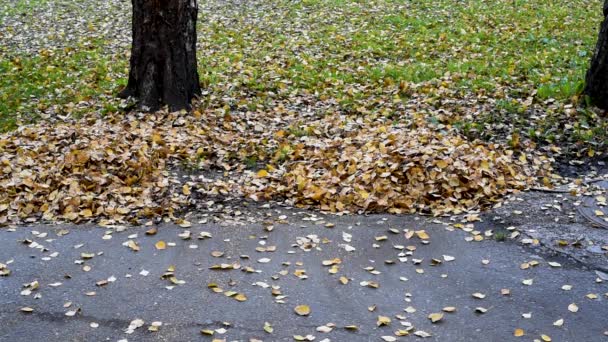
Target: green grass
x,y
57,81
500,236
23,6
353,53
562,89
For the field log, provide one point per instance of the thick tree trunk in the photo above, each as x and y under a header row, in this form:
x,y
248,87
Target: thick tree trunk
x,y
597,76
163,54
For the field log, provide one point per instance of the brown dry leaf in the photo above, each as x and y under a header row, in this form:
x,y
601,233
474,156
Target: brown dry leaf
x,y
152,231
370,284
331,262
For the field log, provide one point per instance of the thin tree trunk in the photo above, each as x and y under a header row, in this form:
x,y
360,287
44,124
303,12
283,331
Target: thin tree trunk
x,y
163,54
597,76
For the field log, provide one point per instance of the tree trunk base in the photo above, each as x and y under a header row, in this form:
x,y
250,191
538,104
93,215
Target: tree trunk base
x,y
596,86
163,54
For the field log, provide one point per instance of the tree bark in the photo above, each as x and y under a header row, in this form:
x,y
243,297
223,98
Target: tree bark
x,y
163,68
596,86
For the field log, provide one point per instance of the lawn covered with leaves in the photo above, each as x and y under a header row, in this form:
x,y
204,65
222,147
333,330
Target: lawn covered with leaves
x,y
381,105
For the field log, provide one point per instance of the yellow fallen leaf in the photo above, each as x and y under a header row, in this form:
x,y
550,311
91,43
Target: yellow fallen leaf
x,y
518,332
402,332
133,245
442,164
160,245
436,317
383,320
302,310
86,213
422,235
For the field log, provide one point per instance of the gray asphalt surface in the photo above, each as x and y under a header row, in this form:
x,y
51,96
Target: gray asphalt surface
x,y
187,308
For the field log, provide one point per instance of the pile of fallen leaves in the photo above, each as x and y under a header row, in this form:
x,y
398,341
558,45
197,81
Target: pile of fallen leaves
x,y
389,168
80,171
122,168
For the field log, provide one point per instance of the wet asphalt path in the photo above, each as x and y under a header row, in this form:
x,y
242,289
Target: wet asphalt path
x,y
104,313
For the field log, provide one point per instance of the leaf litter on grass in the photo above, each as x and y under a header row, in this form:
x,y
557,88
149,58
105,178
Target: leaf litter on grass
x,y
337,112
